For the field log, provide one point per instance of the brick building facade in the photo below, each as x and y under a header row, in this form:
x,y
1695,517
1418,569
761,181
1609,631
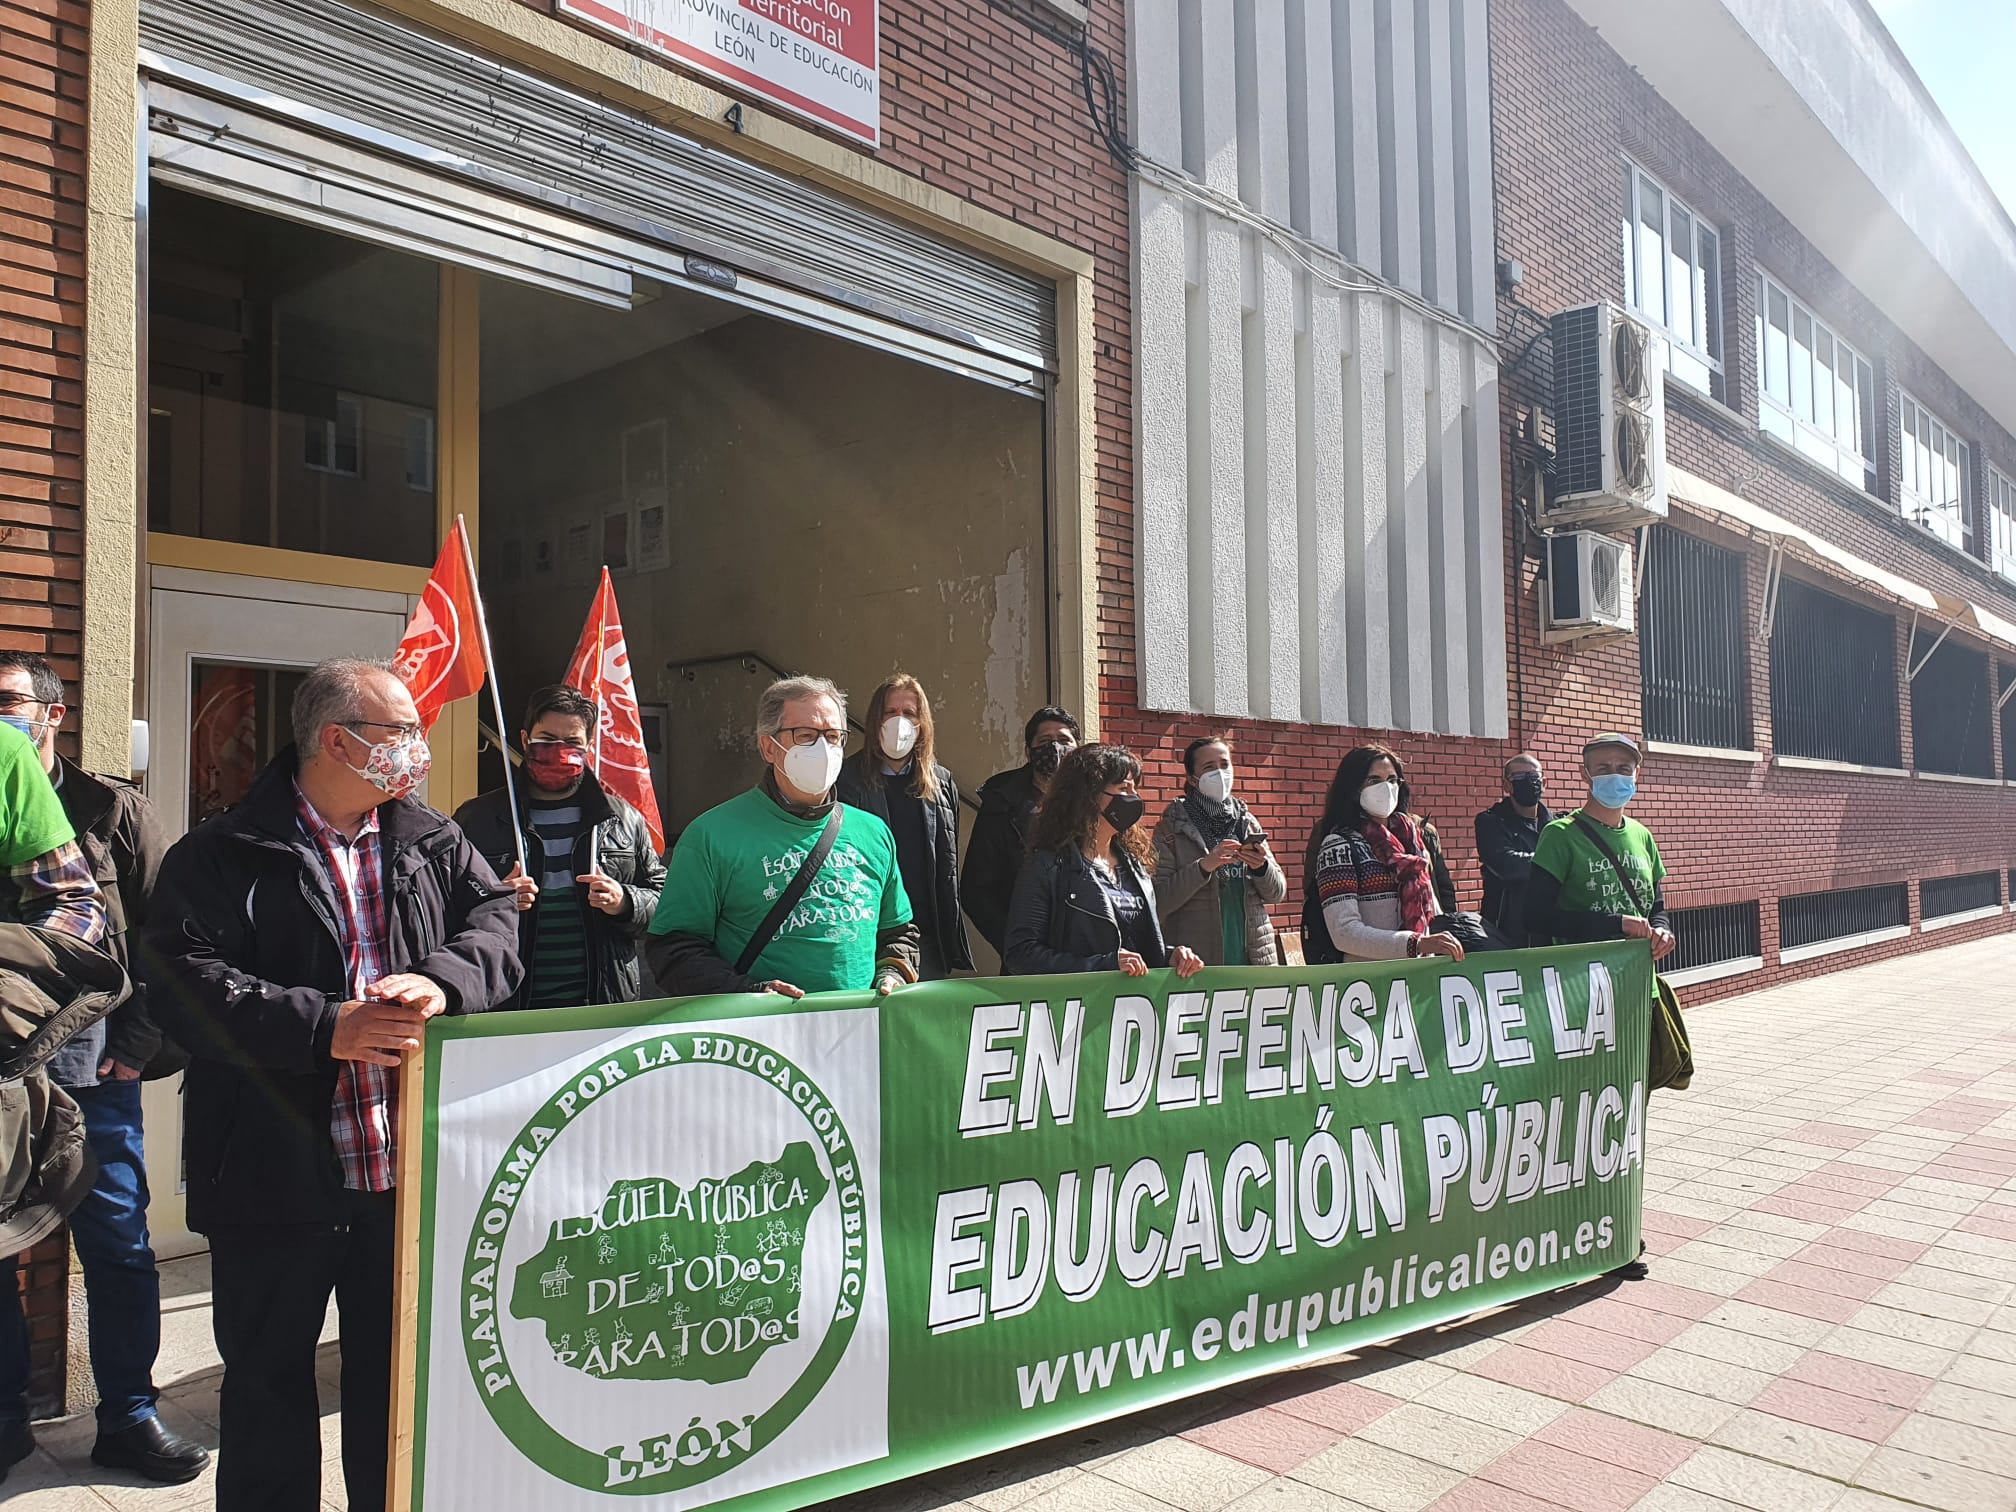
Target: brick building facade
x,y
1568,112
42,230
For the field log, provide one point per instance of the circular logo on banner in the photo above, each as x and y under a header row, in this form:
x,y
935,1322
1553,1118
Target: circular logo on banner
x,y
673,1327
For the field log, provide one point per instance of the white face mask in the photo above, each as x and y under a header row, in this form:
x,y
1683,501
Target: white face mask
x,y
1380,799
1215,785
899,736
814,768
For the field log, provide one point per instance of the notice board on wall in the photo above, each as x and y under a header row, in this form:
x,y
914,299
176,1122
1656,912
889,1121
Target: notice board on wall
x,y
818,58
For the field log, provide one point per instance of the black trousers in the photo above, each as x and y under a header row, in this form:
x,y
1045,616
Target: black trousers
x,y
270,1291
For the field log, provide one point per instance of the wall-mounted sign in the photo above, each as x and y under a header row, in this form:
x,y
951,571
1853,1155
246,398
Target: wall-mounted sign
x,y
820,58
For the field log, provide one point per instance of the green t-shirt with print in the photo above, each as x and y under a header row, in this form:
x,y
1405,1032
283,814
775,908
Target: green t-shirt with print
x,y
32,821
734,860
1588,882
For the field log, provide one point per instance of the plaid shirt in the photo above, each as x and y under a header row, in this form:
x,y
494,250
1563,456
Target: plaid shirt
x,y
57,891
365,1111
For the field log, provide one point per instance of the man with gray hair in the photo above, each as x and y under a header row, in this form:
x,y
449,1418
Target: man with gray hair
x,y
785,889
296,945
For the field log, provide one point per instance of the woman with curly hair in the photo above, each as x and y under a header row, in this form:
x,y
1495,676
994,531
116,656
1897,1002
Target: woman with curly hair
x,y
1085,900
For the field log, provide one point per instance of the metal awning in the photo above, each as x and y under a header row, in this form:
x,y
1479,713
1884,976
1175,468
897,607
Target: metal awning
x,y
1718,500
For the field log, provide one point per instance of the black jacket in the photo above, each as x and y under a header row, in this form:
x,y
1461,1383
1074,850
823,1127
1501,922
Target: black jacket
x,y
120,837
860,789
1506,840
1000,845
244,969
1060,920
623,844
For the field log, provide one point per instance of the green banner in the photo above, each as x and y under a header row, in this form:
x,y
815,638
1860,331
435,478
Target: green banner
x,y
727,1251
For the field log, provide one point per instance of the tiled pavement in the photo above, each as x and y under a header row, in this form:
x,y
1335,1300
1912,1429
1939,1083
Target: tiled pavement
x,y
1829,1327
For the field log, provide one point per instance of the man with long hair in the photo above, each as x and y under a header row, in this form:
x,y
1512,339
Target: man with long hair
x,y
897,778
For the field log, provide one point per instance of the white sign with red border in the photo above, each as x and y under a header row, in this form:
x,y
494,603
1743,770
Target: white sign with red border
x,y
819,58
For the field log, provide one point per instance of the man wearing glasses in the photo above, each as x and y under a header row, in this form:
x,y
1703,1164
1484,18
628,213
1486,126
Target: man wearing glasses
x,y
296,945
722,923
119,848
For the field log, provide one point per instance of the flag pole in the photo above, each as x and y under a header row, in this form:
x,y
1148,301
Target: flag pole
x,y
496,694
601,638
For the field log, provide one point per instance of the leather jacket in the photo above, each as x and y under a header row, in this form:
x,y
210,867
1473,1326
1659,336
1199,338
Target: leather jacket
x,y
1061,921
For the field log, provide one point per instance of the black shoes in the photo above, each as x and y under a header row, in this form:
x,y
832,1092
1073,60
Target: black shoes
x,y
1633,1270
149,1450
16,1444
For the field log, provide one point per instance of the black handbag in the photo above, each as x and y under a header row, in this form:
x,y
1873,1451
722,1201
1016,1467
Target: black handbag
x,y
1470,930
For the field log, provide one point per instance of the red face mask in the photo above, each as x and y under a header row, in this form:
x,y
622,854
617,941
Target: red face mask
x,y
554,763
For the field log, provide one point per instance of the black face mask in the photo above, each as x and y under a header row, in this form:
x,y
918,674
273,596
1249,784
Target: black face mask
x,y
1124,810
1526,789
1047,757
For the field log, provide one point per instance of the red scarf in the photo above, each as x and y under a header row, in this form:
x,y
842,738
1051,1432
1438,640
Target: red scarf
x,y
1397,845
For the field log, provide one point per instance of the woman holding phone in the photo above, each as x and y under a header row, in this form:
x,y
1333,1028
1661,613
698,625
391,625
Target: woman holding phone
x,y
1214,873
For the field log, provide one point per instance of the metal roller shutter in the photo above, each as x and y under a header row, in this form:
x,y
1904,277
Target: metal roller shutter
x,y
395,92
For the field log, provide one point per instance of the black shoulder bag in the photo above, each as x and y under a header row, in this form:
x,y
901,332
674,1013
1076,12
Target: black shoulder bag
x,y
787,900
1672,1063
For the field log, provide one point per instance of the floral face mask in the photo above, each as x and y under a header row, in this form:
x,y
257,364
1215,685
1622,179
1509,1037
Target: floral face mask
x,y
398,766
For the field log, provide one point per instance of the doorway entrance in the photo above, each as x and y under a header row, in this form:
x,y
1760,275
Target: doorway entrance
x,y
225,656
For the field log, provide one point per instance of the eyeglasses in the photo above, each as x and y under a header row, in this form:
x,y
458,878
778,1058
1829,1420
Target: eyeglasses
x,y
9,702
808,735
405,731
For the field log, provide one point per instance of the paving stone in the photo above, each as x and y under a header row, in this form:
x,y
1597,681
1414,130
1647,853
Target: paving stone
x,y
1183,1474
1565,1478
1769,1323
1662,1406
1377,1476
1704,1377
1935,1483
1752,1351
1965,1404
1817,1451
1755,1483
1965,1444
1482,1400
1598,1435
1440,1437
1293,1496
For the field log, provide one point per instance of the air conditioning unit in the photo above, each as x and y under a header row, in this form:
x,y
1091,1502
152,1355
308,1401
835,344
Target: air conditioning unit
x,y
1589,589
1609,421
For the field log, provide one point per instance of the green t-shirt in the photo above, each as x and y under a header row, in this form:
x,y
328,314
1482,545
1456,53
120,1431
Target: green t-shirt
x,y
32,821
1588,882
734,860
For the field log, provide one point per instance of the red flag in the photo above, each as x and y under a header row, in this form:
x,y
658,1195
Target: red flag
x,y
601,668
441,657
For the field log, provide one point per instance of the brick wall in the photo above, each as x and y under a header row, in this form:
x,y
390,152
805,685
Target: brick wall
x,y
1566,111
42,66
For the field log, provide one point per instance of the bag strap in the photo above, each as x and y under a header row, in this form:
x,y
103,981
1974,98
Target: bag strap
x,y
1588,827
787,900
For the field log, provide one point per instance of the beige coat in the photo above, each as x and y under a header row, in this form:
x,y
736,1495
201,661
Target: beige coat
x,y
1186,895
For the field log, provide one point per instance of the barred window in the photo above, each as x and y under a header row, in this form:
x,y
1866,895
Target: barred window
x,y
1691,643
1949,713
1942,897
2008,716
1816,918
1833,679
1711,935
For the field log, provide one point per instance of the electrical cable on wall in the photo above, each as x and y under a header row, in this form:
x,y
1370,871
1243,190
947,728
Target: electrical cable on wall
x,y
1096,78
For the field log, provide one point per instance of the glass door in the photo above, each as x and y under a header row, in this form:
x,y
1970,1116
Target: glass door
x,y
225,655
